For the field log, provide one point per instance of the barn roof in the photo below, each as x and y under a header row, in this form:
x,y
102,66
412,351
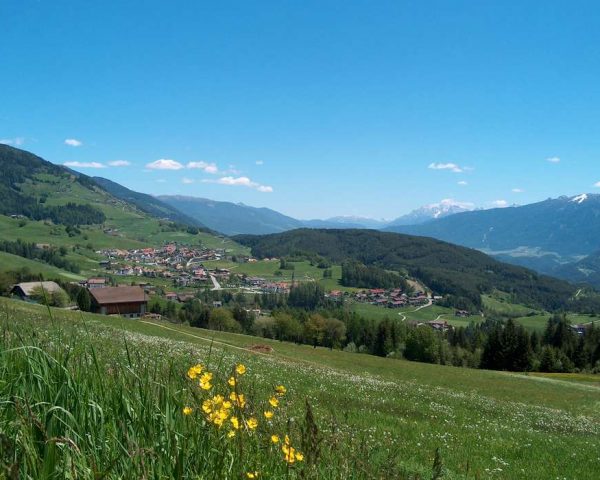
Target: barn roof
x,y
110,295
29,287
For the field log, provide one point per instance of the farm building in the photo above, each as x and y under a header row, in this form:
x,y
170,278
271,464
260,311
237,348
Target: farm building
x,y
126,301
25,290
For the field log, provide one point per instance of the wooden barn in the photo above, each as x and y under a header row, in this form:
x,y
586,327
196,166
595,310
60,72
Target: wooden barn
x,y
129,302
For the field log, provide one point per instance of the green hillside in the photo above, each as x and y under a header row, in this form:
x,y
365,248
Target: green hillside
x,y
459,272
119,389
48,204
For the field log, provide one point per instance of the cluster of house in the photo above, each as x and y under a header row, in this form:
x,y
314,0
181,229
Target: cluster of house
x,y
266,286
391,298
181,263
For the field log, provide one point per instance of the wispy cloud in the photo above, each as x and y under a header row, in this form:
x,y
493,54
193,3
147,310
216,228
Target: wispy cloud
x,y
73,142
119,163
204,166
84,164
553,159
240,181
259,162
187,181
164,164
597,184
17,141
517,190
453,167
499,203
463,183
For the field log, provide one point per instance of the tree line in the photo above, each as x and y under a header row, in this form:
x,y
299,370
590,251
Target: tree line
x,y
51,256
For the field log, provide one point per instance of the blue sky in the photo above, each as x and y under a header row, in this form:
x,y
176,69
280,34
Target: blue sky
x,y
311,108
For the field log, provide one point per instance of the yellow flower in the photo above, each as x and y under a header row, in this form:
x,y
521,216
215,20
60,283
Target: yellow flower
x,y
252,474
231,434
299,457
187,410
280,390
274,438
240,369
231,381
286,440
235,422
205,385
194,371
274,402
289,453
206,377
252,423
239,400
207,406
268,414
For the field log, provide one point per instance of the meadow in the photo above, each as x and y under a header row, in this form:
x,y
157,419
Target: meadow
x,y
84,396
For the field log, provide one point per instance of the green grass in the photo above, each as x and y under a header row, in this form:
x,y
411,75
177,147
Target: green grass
x,y
303,271
14,262
115,388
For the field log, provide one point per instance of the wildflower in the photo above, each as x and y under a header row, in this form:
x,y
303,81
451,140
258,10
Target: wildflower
x,y
252,474
207,406
205,381
252,423
268,414
231,381
275,439
194,371
280,390
240,369
187,410
235,422
291,455
274,402
231,434
238,400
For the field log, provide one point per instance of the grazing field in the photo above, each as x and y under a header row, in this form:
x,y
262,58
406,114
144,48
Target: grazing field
x,y
14,262
84,396
303,271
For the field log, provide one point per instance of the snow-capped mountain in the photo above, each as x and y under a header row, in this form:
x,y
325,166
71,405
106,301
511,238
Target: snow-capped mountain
x,y
433,211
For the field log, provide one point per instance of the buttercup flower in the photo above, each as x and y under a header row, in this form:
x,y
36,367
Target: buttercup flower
x,y
268,414
274,402
240,369
194,371
187,410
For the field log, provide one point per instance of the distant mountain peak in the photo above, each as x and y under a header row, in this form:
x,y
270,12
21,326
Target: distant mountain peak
x,y
434,211
580,198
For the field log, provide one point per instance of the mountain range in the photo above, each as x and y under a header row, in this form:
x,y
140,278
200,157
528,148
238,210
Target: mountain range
x,y
558,237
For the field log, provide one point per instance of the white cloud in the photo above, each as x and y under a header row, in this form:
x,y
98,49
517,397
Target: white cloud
x,y
241,181
597,184
453,167
17,141
119,163
164,164
187,181
517,190
463,183
206,167
259,162
553,159
73,142
499,203
84,164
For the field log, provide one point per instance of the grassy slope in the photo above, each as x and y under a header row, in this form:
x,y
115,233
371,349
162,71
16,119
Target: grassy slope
x,y
493,424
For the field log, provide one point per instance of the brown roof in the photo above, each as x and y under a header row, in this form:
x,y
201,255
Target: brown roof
x,y
109,295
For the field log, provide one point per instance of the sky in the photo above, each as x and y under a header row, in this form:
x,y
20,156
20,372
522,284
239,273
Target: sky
x,y
312,108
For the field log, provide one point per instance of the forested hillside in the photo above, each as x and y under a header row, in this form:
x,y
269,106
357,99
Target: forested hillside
x,y
19,168
460,273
